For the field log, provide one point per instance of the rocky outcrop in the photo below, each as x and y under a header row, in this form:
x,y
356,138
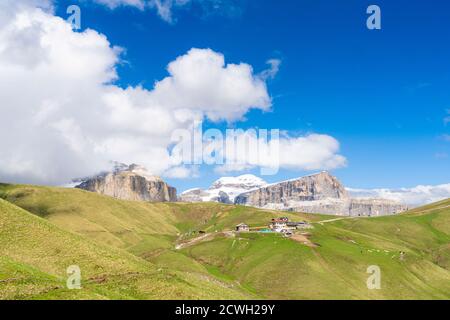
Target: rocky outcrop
x,y
318,193
130,183
375,207
224,198
342,207
310,188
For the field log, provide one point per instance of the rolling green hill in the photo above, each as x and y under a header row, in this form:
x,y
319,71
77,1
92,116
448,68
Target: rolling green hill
x,y
139,240
336,268
138,227
35,255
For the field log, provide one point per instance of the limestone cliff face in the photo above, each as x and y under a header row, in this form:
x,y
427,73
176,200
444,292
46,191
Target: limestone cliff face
x,y
130,183
311,188
375,207
319,193
342,207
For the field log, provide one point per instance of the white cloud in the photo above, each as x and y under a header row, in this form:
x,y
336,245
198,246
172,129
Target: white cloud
x,y
62,116
112,4
270,73
309,152
182,172
165,8
416,196
203,82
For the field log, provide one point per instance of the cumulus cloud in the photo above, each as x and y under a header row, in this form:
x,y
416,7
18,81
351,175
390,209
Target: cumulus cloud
x,y
182,172
203,82
311,152
62,116
247,150
164,8
416,196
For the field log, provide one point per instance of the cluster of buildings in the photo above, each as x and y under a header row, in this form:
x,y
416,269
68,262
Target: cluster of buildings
x,y
278,225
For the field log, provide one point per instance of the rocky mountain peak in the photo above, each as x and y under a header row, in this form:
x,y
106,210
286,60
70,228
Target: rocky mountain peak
x,y
130,182
314,187
316,193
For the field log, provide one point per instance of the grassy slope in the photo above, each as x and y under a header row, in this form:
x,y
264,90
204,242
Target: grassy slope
x,y
267,265
35,255
280,268
141,228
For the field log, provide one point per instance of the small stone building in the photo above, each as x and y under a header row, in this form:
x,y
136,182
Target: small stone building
x,y
242,227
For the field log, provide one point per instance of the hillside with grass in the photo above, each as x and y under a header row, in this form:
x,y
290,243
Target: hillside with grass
x,y
178,250
35,254
335,267
139,227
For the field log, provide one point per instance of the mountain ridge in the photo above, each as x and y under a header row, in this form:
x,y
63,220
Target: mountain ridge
x,y
225,264
320,192
131,182
223,190
134,182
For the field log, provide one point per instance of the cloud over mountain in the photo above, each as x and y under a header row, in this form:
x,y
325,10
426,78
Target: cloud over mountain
x,y
309,152
416,196
64,116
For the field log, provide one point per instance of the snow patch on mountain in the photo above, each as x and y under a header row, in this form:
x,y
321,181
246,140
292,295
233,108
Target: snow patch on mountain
x,y
225,190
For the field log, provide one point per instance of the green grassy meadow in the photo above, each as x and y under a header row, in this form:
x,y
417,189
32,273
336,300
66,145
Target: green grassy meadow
x,y
127,250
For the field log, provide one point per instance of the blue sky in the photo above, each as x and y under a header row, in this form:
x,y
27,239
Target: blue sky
x,y
383,94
